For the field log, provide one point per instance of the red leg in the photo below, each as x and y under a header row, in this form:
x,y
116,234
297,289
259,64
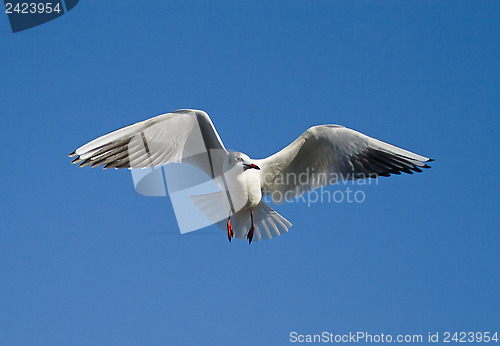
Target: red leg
x,y
230,232
250,232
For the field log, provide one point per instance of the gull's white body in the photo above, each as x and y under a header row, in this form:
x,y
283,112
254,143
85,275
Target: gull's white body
x,y
253,187
244,186
248,185
188,136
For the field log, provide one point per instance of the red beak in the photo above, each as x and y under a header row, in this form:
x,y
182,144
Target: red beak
x,y
252,166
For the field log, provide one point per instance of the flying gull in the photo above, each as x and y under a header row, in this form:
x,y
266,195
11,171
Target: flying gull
x,y
321,156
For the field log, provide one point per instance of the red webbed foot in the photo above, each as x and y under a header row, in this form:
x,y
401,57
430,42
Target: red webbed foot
x,y
230,232
250,232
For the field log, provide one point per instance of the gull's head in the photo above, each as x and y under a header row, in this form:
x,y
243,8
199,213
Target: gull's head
x,y
239,161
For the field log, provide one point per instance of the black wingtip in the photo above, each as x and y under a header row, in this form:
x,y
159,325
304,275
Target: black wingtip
x,y
77,160
430,160
73,154
85,162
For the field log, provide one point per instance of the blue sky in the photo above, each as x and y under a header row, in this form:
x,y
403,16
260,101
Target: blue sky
x,y
85,260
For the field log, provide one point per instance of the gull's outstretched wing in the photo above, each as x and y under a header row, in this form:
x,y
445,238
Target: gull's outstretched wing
x,y
325,154
182,136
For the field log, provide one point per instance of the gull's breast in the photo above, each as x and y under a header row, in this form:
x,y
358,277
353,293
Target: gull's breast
x,y
253,186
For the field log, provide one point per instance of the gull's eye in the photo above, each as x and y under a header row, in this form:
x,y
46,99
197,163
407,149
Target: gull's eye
x,y
239,159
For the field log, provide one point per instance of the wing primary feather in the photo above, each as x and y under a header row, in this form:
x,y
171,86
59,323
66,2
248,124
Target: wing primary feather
x,y
109,159
77,160
163,158
406,166
140,162
116,163
109,151
94,153
373,159
126,165
360,170
378,169
109,165
105,158
86,162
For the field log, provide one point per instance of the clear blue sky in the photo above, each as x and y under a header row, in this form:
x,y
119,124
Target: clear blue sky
x,y
85,260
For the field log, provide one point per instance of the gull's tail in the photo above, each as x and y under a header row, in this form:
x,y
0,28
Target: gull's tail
x,y
267,222
214,206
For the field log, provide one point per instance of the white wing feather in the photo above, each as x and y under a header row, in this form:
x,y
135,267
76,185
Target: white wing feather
x,y
182,136
325,154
